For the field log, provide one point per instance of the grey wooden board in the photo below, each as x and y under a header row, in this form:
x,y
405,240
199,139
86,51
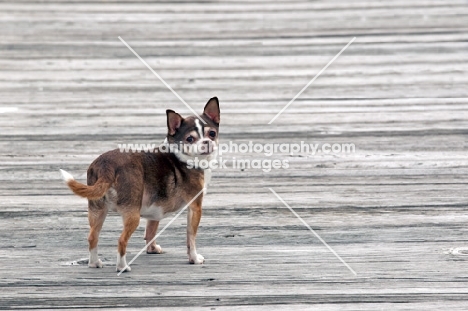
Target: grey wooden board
x,y
395,210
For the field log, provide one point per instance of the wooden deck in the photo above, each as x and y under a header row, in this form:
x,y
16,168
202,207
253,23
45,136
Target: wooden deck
x,y
395,211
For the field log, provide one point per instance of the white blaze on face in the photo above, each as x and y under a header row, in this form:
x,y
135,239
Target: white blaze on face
x,y
199,129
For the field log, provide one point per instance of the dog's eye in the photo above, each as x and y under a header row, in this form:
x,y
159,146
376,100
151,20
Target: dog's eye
x,y
212,134
190,139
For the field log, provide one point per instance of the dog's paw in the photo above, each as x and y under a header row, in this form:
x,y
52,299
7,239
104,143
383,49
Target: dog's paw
x,y
197,259
123,269
96,264
154,249
122,264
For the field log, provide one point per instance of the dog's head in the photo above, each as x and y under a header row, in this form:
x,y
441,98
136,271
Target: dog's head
x,y
191,137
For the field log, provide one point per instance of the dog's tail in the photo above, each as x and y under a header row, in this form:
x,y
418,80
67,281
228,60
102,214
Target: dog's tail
x,y
94,192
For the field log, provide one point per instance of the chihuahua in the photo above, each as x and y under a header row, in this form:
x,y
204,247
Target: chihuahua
x,y
152,184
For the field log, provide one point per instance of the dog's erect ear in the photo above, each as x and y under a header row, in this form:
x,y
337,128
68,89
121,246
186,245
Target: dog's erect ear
x,y
212,110
174,120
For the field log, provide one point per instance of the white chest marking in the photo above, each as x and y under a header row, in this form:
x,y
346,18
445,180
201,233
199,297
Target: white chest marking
x,y
152,212
199,128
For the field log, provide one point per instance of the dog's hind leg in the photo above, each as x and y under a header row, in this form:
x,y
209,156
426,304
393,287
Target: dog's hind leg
x,y
97,212
131,221
150,233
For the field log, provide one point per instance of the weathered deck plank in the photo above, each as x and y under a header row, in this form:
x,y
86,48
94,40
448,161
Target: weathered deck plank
x,y
395,210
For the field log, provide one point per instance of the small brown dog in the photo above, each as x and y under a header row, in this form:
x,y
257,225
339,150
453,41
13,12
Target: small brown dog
x,y
152,184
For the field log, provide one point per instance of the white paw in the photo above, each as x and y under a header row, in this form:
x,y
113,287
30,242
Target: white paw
x,y
197,259
96,264
118,269
154,249
122,264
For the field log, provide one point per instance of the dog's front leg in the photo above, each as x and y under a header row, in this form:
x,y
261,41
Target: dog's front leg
x,y
150,233
193,220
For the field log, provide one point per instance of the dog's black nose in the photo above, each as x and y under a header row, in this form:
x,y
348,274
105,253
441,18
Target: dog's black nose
x,y
207,146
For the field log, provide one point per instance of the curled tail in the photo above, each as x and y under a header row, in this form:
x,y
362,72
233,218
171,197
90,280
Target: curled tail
x,y
94,192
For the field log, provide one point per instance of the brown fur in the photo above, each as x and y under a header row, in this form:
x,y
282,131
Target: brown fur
x,y
130,183
94,192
